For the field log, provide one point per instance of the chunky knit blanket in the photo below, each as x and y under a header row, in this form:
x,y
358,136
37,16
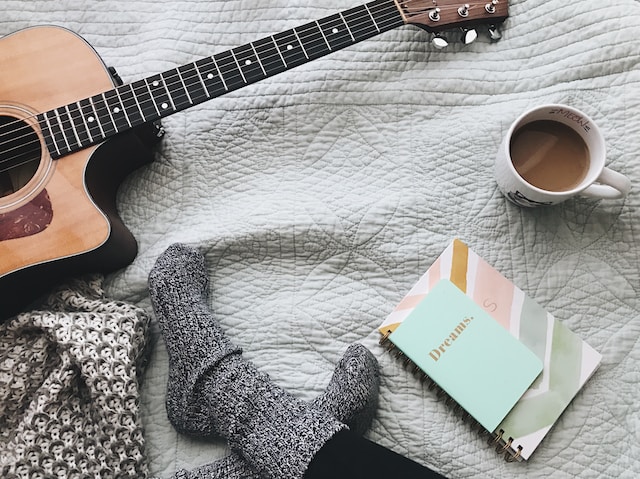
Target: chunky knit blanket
x,y
69,387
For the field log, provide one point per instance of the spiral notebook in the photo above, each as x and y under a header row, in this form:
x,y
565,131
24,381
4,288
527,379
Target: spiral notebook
x,y
458,345
568,361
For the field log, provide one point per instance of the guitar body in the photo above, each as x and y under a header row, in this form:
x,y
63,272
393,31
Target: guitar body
x,y
62,220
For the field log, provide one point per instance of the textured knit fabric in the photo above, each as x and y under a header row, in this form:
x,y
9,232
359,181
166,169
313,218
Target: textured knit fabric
x,y
233,466
275,432
351,397
69,402
177,285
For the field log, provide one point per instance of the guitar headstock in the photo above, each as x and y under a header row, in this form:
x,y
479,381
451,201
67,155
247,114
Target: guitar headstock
x,y
437,16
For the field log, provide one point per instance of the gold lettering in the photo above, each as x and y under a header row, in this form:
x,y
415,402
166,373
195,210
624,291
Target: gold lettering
x,y
437,353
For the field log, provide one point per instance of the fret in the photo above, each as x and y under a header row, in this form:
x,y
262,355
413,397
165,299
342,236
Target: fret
x,y
269,55
210,76
336,32
224,83
323,36
45,127
248,63
184,85
193,83
69,119
81,126
301,44
95,119
385,17
159,95
348,29
89,116
290,49
116,110
176,92
125,113
163,82
108,110
151,98
313,39
244,79
64,128
104,118
361,24
130,104
229,70
275,44
147,106
55,135
372,19
201,78
255,52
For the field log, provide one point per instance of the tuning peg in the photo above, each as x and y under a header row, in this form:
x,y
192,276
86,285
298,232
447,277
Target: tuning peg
x,y
469,35
434,14
439,41
494,33
491,6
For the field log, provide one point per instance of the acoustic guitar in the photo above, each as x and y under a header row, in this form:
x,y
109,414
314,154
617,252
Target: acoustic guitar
x,y
59,104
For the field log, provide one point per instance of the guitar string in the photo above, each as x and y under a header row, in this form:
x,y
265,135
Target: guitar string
x,y
232,63
393,9
196,81
265,61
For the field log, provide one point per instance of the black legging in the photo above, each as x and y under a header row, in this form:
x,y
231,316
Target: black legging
x,y
349,456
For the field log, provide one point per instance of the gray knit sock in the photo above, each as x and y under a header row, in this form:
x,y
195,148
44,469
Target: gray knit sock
x,y
352,393
351,397
195,344
275,432
231,467
178,287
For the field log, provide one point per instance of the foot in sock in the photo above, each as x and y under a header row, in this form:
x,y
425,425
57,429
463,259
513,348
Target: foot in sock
x,y
178,288
277,433
351,397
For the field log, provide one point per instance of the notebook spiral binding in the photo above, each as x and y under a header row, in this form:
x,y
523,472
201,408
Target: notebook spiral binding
x,y
503,446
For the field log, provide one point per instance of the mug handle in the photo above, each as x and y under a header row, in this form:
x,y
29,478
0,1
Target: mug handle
x,y
612,185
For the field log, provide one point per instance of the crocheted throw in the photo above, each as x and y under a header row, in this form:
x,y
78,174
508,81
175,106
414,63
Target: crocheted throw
x,y
69,387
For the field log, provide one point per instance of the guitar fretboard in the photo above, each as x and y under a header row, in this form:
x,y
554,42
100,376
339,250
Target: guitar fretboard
x,y
92,120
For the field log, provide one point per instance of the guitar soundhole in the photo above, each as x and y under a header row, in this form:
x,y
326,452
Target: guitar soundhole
x,y
20,154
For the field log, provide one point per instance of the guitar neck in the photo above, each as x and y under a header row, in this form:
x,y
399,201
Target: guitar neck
x,y
89,121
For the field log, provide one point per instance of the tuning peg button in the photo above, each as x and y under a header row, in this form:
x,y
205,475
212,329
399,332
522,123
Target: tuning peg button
x,y
439,41
469,35
494,33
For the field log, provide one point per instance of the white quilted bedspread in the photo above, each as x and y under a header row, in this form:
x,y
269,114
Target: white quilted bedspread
x,y
320,196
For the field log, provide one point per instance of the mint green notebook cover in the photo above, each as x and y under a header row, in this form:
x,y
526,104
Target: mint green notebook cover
x,y
467,353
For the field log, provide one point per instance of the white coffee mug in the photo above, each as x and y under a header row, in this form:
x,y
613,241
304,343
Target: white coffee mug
x,y
598,181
